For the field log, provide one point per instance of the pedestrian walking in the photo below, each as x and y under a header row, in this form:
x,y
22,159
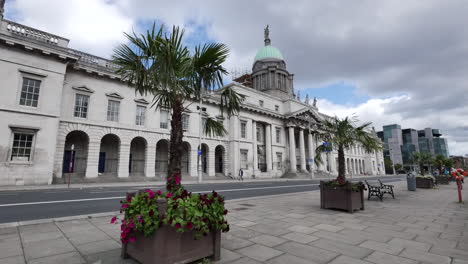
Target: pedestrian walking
x,y
241,175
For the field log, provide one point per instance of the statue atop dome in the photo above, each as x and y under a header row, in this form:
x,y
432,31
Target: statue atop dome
x,y
267,35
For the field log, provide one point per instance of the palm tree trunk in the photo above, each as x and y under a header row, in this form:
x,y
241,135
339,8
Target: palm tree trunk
x,y
176,143
341,163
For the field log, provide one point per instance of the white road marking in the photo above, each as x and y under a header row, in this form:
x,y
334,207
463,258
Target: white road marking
x,y
121,197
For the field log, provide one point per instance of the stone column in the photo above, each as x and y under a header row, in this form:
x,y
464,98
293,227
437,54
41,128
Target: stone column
x,y
302,149
92,162
124,158
150,160
292,150
268,147
193,155
254,147
234,149
311,149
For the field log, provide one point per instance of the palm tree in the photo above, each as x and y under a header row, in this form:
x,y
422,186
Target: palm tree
x,y
160,65
421,159
439,161
344,134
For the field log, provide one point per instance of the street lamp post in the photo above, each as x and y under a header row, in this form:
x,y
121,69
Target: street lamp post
x,y
70,165
199,150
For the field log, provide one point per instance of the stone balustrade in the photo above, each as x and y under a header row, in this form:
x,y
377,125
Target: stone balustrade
x,y
95,61
31,33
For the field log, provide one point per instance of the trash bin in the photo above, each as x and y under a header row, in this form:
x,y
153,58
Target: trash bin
x,y
411,181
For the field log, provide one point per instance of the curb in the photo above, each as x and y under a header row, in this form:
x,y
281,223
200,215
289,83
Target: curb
x,y
114,213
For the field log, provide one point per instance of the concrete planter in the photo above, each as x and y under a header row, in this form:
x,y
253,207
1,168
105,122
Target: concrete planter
x,y
167,246
424,183
341,198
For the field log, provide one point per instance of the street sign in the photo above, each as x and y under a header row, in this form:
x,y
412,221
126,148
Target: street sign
x,y
310,160
199,152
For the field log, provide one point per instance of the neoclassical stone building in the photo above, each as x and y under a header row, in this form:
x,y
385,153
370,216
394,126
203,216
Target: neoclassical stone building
x,y
65,113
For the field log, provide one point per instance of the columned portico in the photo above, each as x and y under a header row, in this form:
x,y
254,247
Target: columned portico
x,y
292,150
254,149
302,149
124,155
311,146
268,147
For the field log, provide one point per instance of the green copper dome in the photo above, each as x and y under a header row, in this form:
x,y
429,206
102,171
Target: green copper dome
x,y
268,52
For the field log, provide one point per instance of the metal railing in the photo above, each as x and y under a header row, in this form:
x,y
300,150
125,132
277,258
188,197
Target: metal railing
x,y
32,33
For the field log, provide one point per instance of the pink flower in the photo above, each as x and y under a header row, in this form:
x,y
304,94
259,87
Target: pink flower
x,y
113,219
178,225
169,195
124,206
132,239
189,225
177,179
151,213
159,192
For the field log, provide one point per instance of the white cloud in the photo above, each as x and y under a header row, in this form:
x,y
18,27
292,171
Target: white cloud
x,y
95,26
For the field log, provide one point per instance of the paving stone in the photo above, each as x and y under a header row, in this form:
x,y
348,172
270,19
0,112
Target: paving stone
x,y
69,258
12,260
98,246
384,226
228,256
348,260
437,241
245,261
34,237
10,247
268,229
8,231
354,226
366,236
382,247
342,248
232,242
76,226
297,216
87,236
375,230
409,244
289,259
352,240
267,240
44,248
455,261
302,229
244,232
39,228
245,223
299,237
307,252
330,228
259,252
252,218
383,258
425,256
452,252
108,257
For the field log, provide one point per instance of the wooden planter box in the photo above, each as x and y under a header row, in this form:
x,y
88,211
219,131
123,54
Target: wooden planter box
x,y
341,198
424,183
443,179
167,246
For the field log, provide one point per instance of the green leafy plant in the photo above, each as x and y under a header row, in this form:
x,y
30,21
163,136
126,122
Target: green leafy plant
x,y
337,183
200,213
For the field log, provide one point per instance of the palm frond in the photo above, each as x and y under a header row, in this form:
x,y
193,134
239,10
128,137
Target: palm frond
x,y
213,127
230,101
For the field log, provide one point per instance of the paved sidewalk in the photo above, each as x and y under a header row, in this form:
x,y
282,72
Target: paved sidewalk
x,y
426,226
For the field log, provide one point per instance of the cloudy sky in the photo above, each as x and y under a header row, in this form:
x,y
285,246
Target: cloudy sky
x,y
387,61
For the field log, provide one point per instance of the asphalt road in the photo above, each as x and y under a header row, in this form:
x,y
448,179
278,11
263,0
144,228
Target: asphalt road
x,y
41,204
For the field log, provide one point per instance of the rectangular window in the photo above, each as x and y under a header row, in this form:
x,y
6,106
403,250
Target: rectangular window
x,y
244,157
243,129
113,110
278,135
164,116
279,160
30,92
277,108
185,121
22,146
140,115
259,134
81,105
260,102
